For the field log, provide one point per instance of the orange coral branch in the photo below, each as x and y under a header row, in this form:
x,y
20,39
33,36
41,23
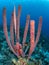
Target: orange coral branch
x,y
32,42
32,37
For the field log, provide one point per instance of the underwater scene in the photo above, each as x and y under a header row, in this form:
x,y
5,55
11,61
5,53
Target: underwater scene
x,y
24,32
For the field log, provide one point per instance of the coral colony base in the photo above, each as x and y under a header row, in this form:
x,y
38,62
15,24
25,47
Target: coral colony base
x,y
18,48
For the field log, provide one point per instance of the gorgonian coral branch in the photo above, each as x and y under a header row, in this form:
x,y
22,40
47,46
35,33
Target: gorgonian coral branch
x,y
15,23
39,30
6,33
32,42
26,30
18,22
12,30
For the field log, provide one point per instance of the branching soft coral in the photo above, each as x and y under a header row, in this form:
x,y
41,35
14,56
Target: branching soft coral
x,y
6,33
15,23
33,41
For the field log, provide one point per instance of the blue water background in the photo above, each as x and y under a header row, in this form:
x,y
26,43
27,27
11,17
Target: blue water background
x,y
35,8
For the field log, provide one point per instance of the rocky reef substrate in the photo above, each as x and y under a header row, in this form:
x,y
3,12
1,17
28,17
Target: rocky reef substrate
x,y
39,57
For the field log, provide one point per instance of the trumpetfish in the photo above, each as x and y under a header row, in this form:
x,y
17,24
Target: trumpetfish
x,y
18,46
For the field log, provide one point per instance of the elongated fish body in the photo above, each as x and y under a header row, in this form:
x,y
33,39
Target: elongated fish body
x,y
15,19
